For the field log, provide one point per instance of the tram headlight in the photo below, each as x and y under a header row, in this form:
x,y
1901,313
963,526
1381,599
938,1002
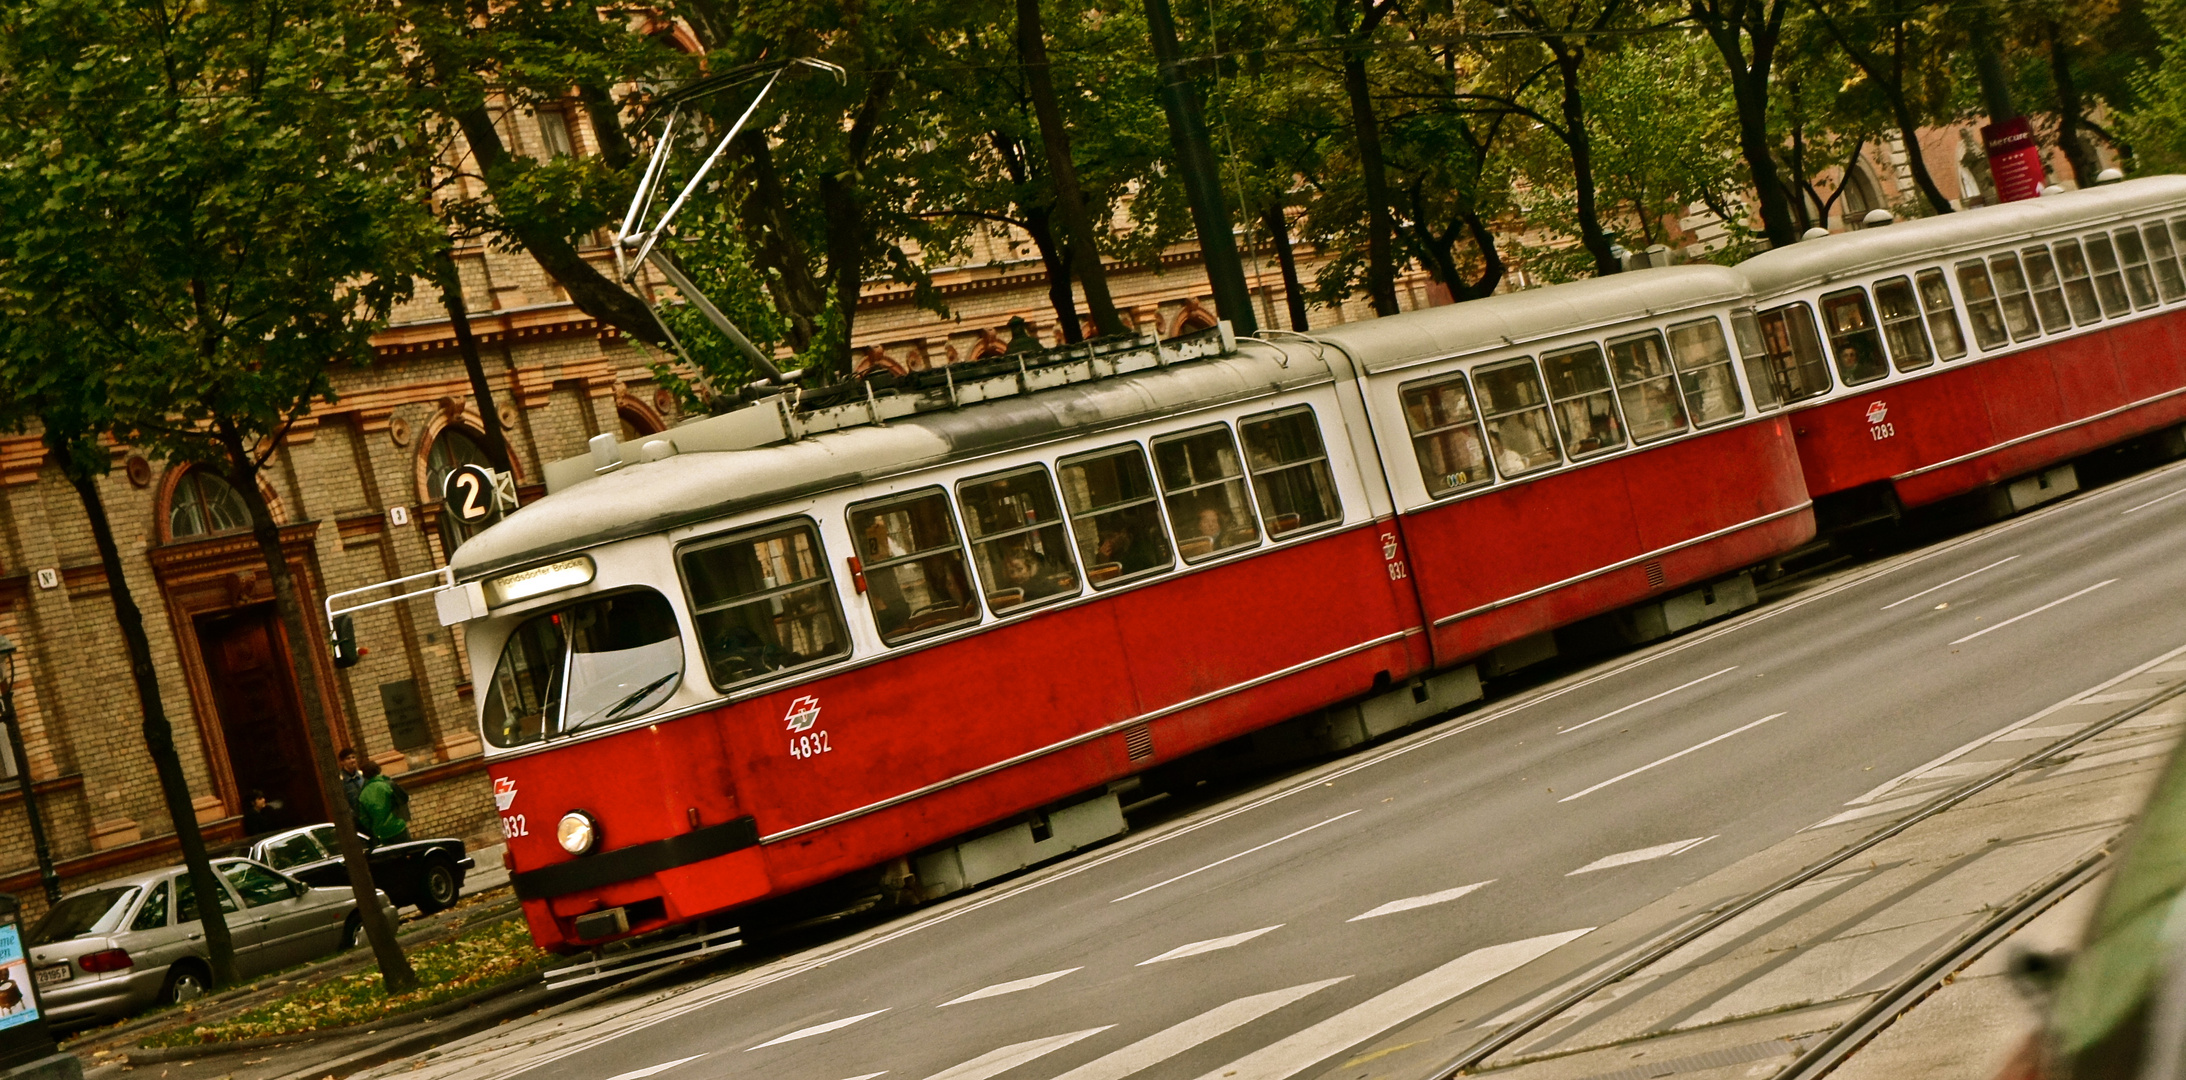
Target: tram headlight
x,y
577,833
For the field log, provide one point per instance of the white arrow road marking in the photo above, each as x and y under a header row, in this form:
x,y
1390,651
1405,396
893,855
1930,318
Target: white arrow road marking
x,y
999,989
1627,858
641,1074
1671,758
818,1029
1208,946
1643,701
1169,1042
1429,900
1301,1051
997,1062
2036,611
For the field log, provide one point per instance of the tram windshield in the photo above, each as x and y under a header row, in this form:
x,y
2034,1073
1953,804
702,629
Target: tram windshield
x,y
595,662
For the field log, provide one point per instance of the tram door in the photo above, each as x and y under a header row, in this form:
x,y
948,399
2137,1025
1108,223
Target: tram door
x,y
261,718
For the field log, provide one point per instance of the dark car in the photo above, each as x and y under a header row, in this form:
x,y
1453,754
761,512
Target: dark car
x,y
427,873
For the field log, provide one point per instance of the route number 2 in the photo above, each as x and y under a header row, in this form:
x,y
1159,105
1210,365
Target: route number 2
x,y
809,745
469,492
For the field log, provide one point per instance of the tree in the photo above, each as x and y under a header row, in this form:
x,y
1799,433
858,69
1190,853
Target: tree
x,y
1747,34
1892,50
241,216
1070,202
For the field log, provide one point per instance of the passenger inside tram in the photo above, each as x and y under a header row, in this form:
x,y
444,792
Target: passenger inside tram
x,y
1024,571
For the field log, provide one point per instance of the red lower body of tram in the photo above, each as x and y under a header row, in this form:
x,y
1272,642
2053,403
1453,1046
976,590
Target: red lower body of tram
x,y
1968,427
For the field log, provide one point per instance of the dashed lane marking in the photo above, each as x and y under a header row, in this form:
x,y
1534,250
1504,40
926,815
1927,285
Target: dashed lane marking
x,y
818,1029
1232,858
1643,701
1429,900
999,989
997,1062
1671,758
654,1070
1171,1041
1949,583
1301,1051
1208,946
2036,611
2152,502
1646,854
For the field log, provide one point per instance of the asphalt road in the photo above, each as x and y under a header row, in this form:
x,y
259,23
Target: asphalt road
x,y
1274,934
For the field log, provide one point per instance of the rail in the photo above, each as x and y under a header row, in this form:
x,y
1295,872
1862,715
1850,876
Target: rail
x,y
1676,939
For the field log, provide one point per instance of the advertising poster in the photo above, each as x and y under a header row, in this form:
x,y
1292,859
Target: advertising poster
x,y
17,1005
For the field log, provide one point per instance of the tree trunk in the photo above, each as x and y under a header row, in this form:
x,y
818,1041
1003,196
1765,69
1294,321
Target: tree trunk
x,y
1750,91
1381,276
1491,259
799,296
1901,108
1085,252
1057,262
450,281
159,735
1278,227
1202,180
847,236
1581,145
2085,165
396,976
593,292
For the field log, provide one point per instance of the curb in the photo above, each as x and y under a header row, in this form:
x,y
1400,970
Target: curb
x,y
159,1054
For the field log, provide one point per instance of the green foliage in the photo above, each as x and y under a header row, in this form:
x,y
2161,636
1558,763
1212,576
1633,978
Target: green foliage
x,y
2156,127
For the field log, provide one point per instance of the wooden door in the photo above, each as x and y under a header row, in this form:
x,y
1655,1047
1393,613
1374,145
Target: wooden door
x,y
261,717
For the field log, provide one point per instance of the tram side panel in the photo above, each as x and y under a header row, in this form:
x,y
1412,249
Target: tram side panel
x,y
1483,555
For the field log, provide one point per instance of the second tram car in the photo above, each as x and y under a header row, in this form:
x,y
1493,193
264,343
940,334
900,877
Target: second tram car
x,y
1981,350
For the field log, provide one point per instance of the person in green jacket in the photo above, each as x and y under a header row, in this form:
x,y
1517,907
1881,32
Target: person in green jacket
x,y
383,805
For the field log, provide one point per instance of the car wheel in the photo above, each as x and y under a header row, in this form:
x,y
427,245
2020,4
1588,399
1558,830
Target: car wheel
x,y
438,889
352,931
185,982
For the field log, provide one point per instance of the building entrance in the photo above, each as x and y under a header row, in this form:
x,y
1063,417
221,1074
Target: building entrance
x,y
261,717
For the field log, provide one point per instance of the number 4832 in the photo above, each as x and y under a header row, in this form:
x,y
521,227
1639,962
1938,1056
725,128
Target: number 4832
x,y
808,746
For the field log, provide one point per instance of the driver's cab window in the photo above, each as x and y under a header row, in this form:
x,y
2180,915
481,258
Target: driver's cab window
x,y
598,661
293,851
764,603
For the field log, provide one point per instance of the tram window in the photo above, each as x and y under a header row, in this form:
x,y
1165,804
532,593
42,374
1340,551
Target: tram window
x,y
2079,286
1988,319
1753,349
1017,539
1204,486
2138,280
2049,289
1901,324
2165,259
764,603
915,580
1516,409
594,662
1110,494
1446,435
1647,386
2109,282
1796,367
1290,471
1704,369
1853,337
2011,294
1935,298
1586,410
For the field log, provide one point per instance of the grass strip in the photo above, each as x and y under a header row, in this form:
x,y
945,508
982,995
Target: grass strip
x,y
483,958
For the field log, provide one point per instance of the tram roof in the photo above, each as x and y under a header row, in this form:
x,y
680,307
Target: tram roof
x,y
694,487
1855,254
1507,320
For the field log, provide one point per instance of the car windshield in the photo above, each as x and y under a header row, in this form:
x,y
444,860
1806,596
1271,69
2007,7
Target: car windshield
x,y
284,852
94,912
596,662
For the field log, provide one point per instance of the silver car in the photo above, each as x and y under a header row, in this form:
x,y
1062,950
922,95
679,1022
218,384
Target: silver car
x,y
112,949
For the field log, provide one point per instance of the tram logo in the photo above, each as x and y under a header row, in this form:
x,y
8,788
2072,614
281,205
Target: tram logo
x,y
1876,412
803,713
504,794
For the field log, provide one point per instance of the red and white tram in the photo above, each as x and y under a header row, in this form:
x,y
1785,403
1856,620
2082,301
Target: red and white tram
x,y
931,629
1979,350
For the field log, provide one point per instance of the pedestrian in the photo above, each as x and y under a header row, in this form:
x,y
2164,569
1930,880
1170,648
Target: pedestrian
x,y
257,814
1021,336
384,806
352,781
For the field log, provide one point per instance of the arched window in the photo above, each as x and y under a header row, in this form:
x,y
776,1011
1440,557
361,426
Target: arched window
x,y
454,447
635,425
1859,197
204,504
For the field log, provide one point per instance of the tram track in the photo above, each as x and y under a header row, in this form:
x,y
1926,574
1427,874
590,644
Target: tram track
x,y
1819,1058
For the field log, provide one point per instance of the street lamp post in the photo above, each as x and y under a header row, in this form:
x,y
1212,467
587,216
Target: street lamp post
x,y
46,875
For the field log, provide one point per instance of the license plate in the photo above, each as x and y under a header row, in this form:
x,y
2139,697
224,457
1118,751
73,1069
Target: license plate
x,y
56,973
